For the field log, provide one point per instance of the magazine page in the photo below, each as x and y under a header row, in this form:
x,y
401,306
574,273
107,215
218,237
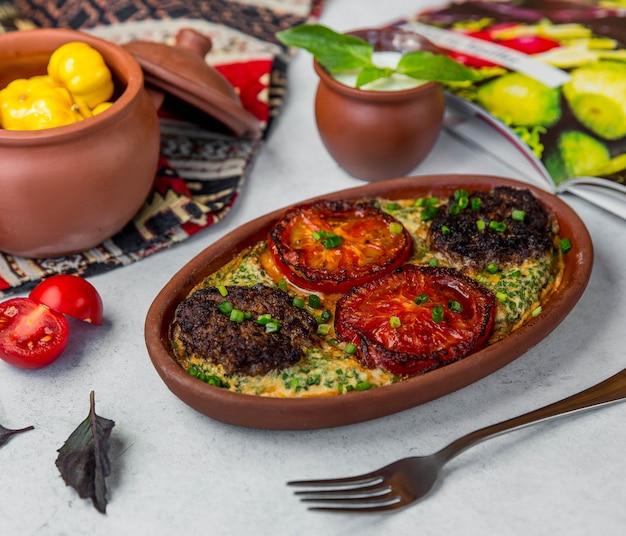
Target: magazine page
x,y
553,82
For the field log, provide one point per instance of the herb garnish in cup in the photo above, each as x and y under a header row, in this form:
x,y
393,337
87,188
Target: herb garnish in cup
x,y
343,53
379,104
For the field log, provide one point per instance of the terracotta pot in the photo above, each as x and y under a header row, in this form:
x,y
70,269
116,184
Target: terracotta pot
x,y
67,189
376,135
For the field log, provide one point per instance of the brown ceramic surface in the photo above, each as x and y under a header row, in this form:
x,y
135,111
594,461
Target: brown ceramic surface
x,y
377,135
67,189
182,71
312,413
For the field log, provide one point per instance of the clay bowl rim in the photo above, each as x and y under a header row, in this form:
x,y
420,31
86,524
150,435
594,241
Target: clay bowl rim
x,y
133,85
396,94
331,411
370,95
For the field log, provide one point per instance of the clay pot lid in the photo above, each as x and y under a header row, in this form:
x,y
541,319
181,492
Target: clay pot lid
x,y
181,71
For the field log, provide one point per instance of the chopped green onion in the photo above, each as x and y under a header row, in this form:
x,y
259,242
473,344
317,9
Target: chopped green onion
x,y
480,225
476,203
516,273
429,212
323,329
363,386
350,348
426,201
236,315
455,306
497,226
272,326
326,315
518,215
332,241
433,263
537,311
395,228
315,301
437,313
298,302
565,245
225,307
392,206
454,209
421,299
501,296
445,229
461,194
222,290
247,315
282,284
327,239
263,319
463,202
492,268
394,321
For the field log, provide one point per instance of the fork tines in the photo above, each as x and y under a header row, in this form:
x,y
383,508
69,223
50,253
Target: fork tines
x,y
357,494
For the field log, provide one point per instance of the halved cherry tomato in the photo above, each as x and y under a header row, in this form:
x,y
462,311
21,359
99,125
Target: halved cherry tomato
x,y
71,295
332,246
415,319
31,334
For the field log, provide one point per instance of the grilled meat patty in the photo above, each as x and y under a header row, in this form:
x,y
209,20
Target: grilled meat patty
x,y
508,241
244,347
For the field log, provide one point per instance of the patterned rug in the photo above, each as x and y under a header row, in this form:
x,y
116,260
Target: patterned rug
x,y
201,171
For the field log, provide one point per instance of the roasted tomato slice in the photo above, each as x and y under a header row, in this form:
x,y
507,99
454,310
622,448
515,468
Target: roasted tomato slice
x,y
71,295
416,319
332,246
31,334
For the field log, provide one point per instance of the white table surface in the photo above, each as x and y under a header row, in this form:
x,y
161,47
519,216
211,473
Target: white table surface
x,y
178,472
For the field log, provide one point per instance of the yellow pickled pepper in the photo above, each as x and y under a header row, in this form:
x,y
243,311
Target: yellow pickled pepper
x,y
81,69
36,103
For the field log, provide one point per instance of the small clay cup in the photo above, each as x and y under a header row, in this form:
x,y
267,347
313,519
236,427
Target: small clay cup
x,y
377,135
67,189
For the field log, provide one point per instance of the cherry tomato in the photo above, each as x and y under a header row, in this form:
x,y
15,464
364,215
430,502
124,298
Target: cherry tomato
x,y
415,319
31,335
331,246
71,295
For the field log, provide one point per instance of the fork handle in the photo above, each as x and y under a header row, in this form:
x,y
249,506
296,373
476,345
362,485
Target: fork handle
x,y
610,390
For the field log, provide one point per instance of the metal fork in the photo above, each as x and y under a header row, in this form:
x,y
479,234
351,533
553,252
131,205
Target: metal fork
x,y
406,481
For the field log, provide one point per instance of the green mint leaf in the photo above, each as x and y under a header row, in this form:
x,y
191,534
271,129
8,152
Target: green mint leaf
x,y
6,434
83,460
334,51
434,67
372,73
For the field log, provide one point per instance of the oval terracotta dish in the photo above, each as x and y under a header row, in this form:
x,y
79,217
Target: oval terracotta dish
x,y
311,413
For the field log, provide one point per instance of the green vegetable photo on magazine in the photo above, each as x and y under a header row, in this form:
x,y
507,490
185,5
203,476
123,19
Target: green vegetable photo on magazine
x,y
552,79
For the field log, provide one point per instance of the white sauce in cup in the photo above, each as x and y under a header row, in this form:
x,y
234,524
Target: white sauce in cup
x,y
395,82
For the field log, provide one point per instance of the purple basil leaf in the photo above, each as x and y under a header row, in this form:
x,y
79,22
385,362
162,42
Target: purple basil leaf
x,y
6,434
83,460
